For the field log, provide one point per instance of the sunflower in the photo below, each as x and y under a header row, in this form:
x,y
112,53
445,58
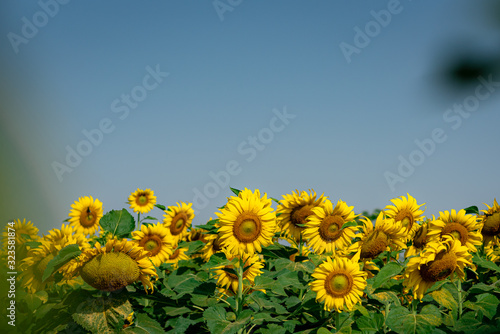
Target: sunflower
x,y
384,236
419,240
324,232
178,254
178,219
212,246
154,239
142,201
228,280
114,265
293,211
492,249
491,222
35,263
406,212
339,283
460,225
20,229
438,261
246,223
85,215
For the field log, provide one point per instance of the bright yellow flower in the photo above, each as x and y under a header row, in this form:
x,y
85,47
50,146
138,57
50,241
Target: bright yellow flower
x,y
154,239
324,232
142,201
229,281
85,215
178,254
460,225
405,212
293,211
436,262
339,283
247,223
178,219
491,222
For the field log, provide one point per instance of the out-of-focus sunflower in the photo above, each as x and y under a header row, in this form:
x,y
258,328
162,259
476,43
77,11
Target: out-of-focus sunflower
x,y
406,212
85,215
339,283
21,228
436,262
385,236
142,201
197,234
212,246
154,239
490,219
178,219
178,255
35,263
114,265
293,211
324,232
492,249
246,223
229,281
419,240
460,225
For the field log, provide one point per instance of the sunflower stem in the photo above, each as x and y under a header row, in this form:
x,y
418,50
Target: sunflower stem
x,y
300,244
337,320
139,221
239,299
459,290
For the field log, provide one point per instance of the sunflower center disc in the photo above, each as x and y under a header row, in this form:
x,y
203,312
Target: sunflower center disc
x,y
330,228
178,223
458,231
443,266
87,218
174,255
247,228
406,219
110,271
298,215
374,244
339,284
143,199
420,237
152,246
492,225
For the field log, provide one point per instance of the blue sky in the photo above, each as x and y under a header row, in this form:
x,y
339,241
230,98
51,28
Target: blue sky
x,y
348,123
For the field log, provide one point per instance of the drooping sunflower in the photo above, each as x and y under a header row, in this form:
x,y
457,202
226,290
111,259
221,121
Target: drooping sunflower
x,y
229,281
324,232
293,211
339,283
419,240
437,261
142,201
460,225
212,246
154,239
85,215
406,212
178,219
385,235
492,249
35,263
246,223
114,265
178,255
491,222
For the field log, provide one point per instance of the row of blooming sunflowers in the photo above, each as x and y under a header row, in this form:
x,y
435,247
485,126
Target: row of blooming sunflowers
x,y
310,266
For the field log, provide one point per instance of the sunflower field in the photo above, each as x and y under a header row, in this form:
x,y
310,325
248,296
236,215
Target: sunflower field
x,y
309,265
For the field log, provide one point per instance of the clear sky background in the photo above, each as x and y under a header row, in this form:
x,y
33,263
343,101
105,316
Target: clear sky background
x,y
229,74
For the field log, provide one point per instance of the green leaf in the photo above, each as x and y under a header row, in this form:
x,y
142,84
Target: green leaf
x,y
102,315
486,303
389,270
472,209
481,287
235,191
144,325
120,223
149,218
64,256
370,324
387,297
173,311
352,223
161,207
217,323
444,298
401,320
32,244
323,330
35,300
485,263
